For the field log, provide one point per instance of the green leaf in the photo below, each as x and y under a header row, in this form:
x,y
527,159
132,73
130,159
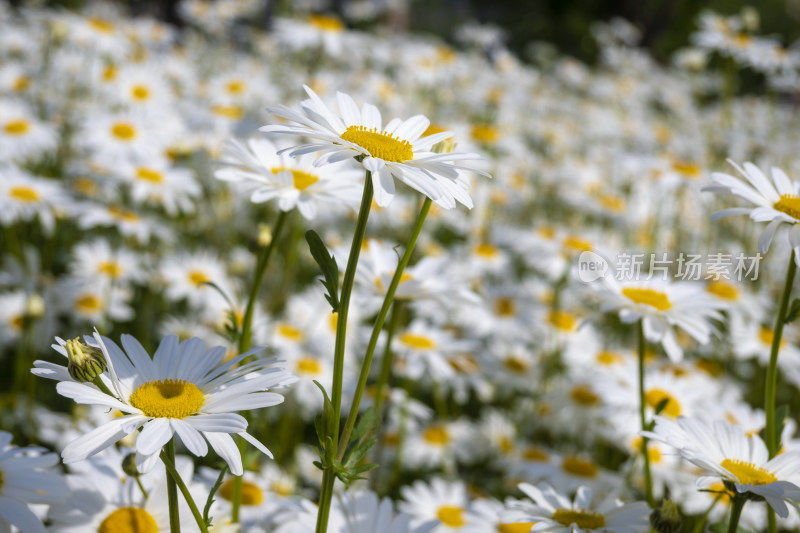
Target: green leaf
x,y
367,425
794,311
328,265
661,405
357,454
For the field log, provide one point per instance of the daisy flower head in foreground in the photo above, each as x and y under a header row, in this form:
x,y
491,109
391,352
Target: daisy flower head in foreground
x,y
551,511
267,175
661,305
24,480
729,455
183,389
396,150
776,201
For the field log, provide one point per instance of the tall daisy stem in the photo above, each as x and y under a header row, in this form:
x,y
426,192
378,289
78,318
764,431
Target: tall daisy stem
x,y
245,339
772,370
328,477
172,489
378,326
648,479
388,356
169,463
737,504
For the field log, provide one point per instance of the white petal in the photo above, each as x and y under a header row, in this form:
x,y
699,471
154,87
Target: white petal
x,y
154,436
255,442
190,437
225,447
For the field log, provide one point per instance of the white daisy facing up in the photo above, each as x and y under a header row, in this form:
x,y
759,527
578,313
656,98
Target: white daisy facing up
x,y
776,202
182,390
660,305
396,150
555,512
727,454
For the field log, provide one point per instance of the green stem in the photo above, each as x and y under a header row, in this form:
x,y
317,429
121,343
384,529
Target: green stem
x,y
772,525
772,370
698,528
388,357
737,504
648,480
172,489
261,267
141,487
378,326
328,477
168,457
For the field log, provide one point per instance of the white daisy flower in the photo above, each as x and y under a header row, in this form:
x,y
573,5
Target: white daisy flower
x,y
396,150
23,197
293,182
776,201
729,455
661,305
555,512
182,389
364,512
23,481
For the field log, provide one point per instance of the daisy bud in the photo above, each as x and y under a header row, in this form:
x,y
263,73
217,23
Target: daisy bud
x,y
85,362
34,306
667,518
264,235
129,465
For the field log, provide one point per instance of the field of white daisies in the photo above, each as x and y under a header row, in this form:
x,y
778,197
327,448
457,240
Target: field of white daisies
x,y
314,279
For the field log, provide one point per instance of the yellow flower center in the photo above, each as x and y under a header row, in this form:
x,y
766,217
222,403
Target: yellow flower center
x,y
464,364
576,243
789,204
691,170
418,342
167,398
251,494
486,250
433,128
308,365
17,127
536,455
379,144
485,133
129,520
150,175
767,336
748,473
110,73
198,277
290,332
582,519
235,86
88,303
562,320
608,358
515,364
301,180
24,194
742,40
110,268
611,202
516,527
140,92
124,131
326,23
505,444
652,451
101,25
21,83
653,397
723,289
281,489
123,214
451,515
584,395
651,297
436,435
579,467
505,306
233,112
